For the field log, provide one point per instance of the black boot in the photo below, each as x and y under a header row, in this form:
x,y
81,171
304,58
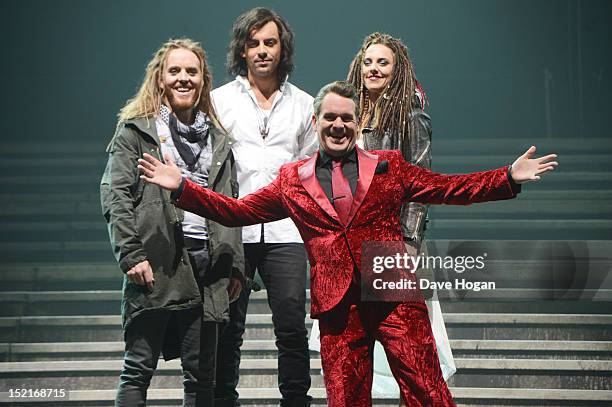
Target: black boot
x,y
296,402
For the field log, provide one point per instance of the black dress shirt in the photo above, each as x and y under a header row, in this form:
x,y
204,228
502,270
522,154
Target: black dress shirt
x,y
323,171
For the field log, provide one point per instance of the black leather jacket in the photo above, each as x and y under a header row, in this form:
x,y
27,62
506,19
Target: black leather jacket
x,y
417,152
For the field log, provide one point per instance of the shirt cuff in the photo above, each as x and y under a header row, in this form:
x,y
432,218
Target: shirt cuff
x,y
516,188
176,194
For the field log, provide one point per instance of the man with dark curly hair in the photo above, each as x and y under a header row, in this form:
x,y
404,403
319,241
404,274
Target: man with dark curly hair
x,y
270,120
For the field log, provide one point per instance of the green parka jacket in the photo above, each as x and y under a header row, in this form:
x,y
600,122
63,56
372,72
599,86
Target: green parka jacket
x,y
143,224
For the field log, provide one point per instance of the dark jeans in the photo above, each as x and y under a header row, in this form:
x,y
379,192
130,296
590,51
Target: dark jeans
x,y
282,267
197,341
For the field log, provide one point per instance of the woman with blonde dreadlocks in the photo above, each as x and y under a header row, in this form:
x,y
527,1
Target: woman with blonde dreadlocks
x,y
392,102
392,118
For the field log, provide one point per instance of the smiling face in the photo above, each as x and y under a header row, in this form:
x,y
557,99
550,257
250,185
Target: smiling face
x,y
336,125
262,51
181,81
377,69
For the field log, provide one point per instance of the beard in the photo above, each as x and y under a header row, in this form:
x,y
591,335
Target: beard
x,y
180,104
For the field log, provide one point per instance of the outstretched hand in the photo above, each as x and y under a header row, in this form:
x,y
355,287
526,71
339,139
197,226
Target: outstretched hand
x,y
527,169
167,176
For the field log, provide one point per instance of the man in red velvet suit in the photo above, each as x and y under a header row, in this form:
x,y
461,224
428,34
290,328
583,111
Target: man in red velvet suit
x,y
339,198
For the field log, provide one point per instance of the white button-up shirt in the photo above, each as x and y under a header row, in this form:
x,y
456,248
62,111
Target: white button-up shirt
x,y
290,137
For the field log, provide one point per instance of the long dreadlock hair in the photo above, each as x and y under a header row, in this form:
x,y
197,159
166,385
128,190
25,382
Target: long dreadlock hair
x,y
391,112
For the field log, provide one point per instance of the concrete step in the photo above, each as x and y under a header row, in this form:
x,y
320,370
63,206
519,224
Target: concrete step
x,y
104,374
514,146
51,196
259,326
568,179
508,373
532,373
84,198
69,211
266,349
83,164
97,161
50,209
536,261
497,397
38,228
49,276
525,208
59,148
80,183
103,302
444,224
54,351
67,251
464,162
39,289
268,397
445,163
572,180
94,302
98,251
517,229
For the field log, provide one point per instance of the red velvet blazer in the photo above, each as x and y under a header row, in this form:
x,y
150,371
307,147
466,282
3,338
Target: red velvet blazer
x,y
334,249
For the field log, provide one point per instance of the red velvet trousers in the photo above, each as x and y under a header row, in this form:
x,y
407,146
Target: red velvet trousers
x,y
347,343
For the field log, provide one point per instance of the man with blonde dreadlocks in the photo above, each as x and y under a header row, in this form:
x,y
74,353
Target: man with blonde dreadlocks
x,y
177,264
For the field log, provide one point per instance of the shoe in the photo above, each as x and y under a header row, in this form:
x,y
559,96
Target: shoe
x,y
227,403
296,402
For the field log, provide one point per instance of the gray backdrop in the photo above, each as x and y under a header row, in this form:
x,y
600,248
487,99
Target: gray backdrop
x,y
506,68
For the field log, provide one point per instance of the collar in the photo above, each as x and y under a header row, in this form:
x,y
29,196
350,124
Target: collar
x,y
325,159
145,125
201,119
246,85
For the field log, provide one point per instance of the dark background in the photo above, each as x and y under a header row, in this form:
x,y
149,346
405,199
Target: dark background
x,y
494,69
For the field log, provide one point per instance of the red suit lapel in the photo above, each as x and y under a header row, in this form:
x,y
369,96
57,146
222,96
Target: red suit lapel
x,y
367,166
308,178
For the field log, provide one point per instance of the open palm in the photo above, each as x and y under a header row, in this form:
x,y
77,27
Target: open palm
x,y
167,176
526,168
